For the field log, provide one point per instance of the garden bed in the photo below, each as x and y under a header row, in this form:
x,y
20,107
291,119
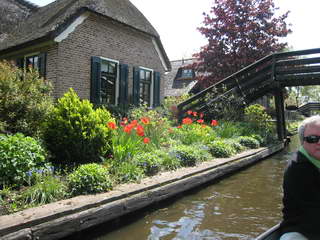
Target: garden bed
x,y
63,218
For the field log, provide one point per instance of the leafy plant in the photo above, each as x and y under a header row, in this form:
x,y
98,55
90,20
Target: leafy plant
x,y
88,179
75,133
189,155
19,154
127,171
46,189
248,142
150,162
25,100
221,149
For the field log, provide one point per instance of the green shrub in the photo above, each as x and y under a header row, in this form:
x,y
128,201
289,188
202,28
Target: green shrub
x,y
75,133
221,149
88,179
150,162
25,100
127,172
235,145
189,155
19,154
248,142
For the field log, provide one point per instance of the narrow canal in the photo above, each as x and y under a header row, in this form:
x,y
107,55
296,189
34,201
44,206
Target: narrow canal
x,y
239,207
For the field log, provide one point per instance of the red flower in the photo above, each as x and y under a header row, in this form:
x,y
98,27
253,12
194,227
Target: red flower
x,y
195,114
145,120
214,123
134,123
140,131
127,129
146,140
186,121
179,126
201,115
112,125
200,121
189,112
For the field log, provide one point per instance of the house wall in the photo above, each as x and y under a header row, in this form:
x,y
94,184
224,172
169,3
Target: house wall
x,y
69,63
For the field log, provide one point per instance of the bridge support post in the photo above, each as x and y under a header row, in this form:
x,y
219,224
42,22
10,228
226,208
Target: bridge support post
x,y
281,124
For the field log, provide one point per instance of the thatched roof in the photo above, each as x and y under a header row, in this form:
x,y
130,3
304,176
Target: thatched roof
x,y
49,21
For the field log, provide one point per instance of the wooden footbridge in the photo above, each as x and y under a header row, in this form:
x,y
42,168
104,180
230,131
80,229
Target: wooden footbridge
x,y
307,108
269,75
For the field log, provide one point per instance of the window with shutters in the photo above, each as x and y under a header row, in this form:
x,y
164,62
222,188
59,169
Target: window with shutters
x,y
109,80
35,60
146,77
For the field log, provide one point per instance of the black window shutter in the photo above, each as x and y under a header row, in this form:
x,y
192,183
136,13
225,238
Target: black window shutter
x,y
179,73
156,88
95,90
136,86
42,64
123,86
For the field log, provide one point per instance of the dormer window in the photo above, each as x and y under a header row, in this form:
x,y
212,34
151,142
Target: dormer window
x,y
185,73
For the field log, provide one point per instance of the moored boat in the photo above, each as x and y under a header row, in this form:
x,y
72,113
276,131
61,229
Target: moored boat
x,y
271,234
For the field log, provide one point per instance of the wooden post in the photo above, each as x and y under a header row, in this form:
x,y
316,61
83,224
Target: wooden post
x,y
281,125
279,102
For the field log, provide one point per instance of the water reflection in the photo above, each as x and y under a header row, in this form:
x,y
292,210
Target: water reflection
x,y
239,207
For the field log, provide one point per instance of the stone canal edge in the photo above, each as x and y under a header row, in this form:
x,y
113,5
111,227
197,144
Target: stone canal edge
x,y
66,217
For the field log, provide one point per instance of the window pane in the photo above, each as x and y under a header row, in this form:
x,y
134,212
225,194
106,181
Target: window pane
x,y
108,82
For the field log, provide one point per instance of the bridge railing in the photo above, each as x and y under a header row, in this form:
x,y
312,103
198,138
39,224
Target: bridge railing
x,y
292,68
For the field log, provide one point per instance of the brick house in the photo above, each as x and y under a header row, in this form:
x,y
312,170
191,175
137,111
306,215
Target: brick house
x,y
106,50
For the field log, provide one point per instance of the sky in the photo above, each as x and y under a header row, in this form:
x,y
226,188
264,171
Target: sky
x,y
177,21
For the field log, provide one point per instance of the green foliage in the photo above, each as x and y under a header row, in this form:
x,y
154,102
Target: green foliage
x,y
19,154
235,145
75,133
46,189
221,149
193,133
150,162
127,171
257,116
190,155
88,179
227,129
25,100
248,142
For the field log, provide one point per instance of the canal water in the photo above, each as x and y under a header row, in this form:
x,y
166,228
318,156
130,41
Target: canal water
x,y
239,207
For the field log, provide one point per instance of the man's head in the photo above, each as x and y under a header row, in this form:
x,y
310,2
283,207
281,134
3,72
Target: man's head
x,y
309,132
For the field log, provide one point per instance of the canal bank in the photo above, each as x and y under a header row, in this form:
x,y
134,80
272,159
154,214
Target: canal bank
x,y
60,219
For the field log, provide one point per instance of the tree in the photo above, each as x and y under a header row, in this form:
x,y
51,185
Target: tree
x,y
239,32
